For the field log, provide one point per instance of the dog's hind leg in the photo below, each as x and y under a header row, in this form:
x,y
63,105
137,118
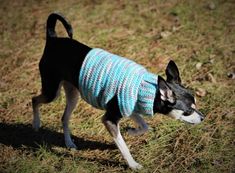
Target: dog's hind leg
x,y
111,122
50,90
142,126
71,93
36,103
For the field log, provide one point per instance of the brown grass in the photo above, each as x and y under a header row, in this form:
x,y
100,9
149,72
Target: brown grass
x,y
134,29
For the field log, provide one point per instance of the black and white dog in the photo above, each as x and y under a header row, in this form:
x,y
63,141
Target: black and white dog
x,y
60,66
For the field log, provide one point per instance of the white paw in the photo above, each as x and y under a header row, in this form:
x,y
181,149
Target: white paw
x,y
36,125
70,144
136,166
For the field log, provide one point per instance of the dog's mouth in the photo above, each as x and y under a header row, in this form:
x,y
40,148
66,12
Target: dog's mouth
x,y
190,123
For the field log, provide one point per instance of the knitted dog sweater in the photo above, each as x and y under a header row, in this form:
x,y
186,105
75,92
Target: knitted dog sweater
x,y
104,75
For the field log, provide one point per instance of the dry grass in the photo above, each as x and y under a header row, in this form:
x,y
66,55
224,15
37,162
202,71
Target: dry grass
x,y
195,34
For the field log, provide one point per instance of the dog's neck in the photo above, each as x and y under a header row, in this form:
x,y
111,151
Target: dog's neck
x,y
159,106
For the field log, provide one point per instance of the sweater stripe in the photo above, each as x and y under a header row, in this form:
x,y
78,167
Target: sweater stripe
x,y
104,75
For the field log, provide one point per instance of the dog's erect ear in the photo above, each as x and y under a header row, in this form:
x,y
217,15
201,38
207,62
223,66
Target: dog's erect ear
x,y
166,93
172,73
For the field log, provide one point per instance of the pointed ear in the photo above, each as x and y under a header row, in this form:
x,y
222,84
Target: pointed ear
x,y
172,73
166,93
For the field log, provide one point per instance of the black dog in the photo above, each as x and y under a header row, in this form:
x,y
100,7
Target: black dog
x,y
61,65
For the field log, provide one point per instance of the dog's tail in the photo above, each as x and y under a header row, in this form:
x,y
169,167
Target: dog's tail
x,y
51,22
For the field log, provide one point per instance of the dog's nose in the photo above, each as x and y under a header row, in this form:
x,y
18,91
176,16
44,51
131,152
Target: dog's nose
x,y
202,118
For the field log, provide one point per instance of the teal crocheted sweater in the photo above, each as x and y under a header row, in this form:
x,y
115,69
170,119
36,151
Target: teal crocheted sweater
x,y
104,75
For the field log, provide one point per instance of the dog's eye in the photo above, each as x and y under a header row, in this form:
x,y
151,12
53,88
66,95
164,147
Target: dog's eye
x,y
188,112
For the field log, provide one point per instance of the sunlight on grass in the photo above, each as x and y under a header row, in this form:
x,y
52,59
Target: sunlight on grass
x,y
149,32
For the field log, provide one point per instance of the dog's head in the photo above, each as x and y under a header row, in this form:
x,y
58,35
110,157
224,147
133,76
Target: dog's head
x,y
175,100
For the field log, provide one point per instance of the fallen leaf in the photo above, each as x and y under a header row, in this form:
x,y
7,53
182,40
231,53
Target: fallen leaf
x,y
201,92
211,5
212,58
165,34
198,65
210,78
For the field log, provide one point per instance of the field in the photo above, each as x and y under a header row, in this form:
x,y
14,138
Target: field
x,y
198,35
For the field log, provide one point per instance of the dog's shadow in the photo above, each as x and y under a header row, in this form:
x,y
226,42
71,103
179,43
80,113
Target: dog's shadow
x,y
18,135
23,136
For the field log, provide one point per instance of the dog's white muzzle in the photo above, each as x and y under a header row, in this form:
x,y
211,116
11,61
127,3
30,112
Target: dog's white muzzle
x,y
195,118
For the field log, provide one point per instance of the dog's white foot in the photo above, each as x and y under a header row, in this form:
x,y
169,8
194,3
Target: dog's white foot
x,y
70,144
136,166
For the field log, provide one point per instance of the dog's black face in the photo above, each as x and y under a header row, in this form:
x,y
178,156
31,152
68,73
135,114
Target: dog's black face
x,y
175,100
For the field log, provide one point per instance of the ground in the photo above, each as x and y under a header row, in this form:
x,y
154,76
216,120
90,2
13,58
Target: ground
x,y
198,35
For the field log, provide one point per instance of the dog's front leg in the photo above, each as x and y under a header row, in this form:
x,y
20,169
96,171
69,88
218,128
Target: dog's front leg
x,y
142,126
112,126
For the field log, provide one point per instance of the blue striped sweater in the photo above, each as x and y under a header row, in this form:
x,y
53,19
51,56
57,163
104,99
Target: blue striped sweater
x,y
104,75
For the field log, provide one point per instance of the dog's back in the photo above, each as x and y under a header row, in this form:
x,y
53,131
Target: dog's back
x,y
62,53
